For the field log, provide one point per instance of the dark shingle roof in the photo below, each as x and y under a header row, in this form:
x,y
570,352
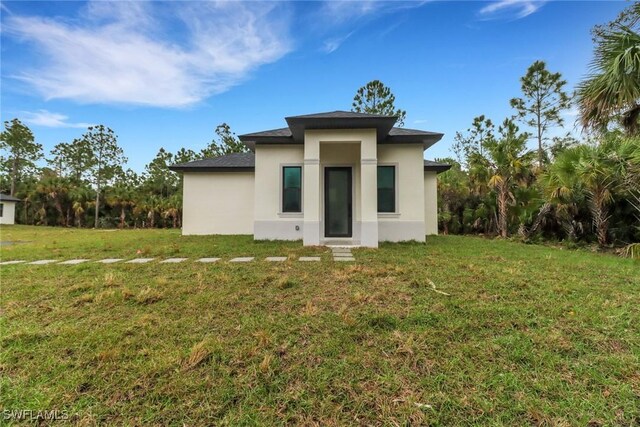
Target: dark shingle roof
x,y
386,133
430,165
339,114
236,162
410,132
282,132
246,162
8,198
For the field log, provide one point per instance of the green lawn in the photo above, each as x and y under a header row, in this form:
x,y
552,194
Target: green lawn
x,y
527,335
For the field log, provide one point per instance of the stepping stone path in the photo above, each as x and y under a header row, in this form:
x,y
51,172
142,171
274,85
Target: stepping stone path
x,y
139,260
73,261
342,254
172,260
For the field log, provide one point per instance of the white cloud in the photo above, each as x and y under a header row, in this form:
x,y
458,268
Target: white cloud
x,y
331,45
48,119
510,9
338,12
118,52
342,16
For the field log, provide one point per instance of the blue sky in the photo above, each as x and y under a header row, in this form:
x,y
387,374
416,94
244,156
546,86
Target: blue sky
x,y
164,74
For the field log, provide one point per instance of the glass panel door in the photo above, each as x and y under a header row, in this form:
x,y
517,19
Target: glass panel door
x,y
337,202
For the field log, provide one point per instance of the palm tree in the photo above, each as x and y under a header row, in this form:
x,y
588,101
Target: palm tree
x,y
598,171
171,209
55,189
509,164
80,194
121,196
453,189
612,90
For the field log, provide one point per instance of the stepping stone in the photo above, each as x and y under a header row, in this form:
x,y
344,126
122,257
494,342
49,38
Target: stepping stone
x,y
242,259
11,262
276,258
173,260
337,250
139,260
344,259
43,261
110,260
73,262
342,254
309,258
208,260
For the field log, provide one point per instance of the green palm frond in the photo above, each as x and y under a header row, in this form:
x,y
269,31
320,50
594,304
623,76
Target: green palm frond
x,y
612,90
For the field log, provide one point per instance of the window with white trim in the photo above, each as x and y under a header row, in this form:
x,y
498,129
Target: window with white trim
x,y
386,189
291,189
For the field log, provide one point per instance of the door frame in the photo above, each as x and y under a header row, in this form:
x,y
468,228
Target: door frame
x,y
326,206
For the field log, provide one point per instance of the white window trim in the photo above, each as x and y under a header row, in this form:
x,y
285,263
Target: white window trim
x,y
396,175
281,188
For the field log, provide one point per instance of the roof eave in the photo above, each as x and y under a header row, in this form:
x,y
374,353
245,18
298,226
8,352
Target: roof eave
x,y
426,140
197,169
382,125
437,168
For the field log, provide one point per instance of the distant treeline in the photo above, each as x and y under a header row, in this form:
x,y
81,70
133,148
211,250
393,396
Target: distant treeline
x,y
84,184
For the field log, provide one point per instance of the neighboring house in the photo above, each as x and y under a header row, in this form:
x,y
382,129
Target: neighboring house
x,y
8,208
341,177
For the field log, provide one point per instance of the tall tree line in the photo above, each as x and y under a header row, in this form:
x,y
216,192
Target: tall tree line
x,y
565,189
83,182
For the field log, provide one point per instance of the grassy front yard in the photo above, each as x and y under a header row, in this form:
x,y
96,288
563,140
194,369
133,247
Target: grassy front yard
x,y
526,335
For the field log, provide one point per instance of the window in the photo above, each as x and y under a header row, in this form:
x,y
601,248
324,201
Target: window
x,y
292,189
386,189
1,209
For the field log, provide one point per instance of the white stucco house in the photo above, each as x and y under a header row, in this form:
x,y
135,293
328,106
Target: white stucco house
x,y
8,209
338,177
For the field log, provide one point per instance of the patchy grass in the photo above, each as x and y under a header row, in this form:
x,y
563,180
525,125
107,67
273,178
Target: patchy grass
x,y
528,335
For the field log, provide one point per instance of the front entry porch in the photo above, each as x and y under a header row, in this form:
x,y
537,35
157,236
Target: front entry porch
x,y
340,181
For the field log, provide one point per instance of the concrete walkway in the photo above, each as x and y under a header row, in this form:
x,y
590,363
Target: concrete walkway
x,y
342,253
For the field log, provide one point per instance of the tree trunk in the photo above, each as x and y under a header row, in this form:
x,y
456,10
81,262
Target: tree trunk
x,y
122,217
600,218
14,175
542,213
99,172
502,209
95,222
538,111
58,207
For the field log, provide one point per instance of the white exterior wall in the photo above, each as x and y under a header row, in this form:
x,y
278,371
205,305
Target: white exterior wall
x,y
431,202
8,213
218,203
408,222
270,223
